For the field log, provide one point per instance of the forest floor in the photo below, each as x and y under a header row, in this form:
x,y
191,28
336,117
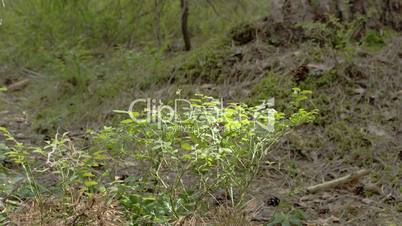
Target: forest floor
x,y
360,125
15,118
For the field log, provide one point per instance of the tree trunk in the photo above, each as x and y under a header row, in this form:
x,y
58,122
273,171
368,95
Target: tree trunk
x,y
158,13
184,24
377,12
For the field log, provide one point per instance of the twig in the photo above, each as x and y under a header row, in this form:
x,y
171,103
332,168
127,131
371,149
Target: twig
x,y
342,180
31,73
18,85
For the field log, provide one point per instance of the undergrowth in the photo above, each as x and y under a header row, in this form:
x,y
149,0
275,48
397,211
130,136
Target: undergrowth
x,y
158,169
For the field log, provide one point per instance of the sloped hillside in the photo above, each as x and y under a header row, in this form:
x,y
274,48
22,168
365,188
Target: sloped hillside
x,y
357,87
356,84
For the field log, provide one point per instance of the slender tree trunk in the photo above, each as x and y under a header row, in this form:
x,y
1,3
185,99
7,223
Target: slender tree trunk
x,y
184,24
158,13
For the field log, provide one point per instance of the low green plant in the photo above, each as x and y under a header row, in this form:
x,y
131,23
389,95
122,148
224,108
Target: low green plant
x,y
147,209
206,149
373,40
59,159
57,173
19,154
73,167
292,218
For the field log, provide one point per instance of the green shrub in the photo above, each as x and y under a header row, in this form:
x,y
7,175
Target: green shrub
x,y
182,163
200,153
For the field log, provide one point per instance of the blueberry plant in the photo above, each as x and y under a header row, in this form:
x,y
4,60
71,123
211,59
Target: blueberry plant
x,y
204,150
177,163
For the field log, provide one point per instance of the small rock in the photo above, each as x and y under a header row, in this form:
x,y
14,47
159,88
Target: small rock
x,y
297,53
389,116
335,219
376,131
367,201
360,91
373,188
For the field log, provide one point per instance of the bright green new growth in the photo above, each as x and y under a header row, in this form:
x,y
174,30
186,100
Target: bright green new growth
x,y
204,151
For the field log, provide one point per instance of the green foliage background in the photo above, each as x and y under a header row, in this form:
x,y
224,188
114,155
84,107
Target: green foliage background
x,y
91,52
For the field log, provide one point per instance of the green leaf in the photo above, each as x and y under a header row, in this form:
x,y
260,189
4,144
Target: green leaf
x,y
127,121
286,222
4,130
90,183
295,221
278,218
88,174
186,146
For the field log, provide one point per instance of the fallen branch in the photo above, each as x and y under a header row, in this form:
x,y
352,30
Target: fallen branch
x,y
18,85
342,180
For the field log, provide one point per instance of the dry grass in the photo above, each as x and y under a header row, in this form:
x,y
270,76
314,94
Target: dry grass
x,y
222,216
97,210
